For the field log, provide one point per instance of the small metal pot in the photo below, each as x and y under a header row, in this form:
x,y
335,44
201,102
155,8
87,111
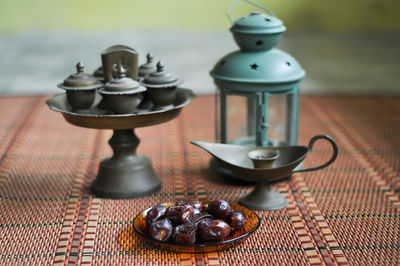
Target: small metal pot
x,y
81,99
122,95
122,103
161,87
80,88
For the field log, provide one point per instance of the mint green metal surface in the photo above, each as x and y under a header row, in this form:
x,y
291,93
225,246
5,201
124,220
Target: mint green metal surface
x,y
258,23
258,31
259,71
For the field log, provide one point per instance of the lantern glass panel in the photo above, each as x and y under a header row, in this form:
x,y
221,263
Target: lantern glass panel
x,y
240,119
277,120
260,119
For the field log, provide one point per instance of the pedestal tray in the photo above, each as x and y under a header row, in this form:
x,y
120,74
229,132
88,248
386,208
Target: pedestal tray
x,y
125,174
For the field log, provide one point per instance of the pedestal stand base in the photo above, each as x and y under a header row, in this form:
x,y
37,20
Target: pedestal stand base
x,y
130,179
125,175
264,198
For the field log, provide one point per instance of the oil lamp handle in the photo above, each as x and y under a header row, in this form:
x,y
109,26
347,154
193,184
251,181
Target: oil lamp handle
x,y
228,12
331,160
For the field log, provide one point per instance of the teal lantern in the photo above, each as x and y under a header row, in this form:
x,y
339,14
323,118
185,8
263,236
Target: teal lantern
x,y
257,99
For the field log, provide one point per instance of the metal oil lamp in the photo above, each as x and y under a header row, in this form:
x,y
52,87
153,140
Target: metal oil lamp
x,y
258,97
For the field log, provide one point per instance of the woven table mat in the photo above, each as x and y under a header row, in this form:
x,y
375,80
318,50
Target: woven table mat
x,y
348,213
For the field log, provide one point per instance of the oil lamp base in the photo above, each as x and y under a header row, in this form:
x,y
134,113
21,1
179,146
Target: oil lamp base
x,y
264,198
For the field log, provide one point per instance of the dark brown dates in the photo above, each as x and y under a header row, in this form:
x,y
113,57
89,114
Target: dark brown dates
x,y
185,233
213,229
161,230
194,203
155,213
236,220
189,220
179,214
219,208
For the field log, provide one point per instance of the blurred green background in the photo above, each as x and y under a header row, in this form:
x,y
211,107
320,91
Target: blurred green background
x,y
345,46
99,15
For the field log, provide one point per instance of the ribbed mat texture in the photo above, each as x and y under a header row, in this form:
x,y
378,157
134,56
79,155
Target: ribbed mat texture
x,y
348,213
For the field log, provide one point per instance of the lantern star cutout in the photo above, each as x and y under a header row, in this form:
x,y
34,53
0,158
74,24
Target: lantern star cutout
x,y
254,66
259,43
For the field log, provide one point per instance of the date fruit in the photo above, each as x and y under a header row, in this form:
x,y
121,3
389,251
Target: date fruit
x,y
213,229
191,221
179,214
161,230
185,233
236,220
194,203
155,213
219,208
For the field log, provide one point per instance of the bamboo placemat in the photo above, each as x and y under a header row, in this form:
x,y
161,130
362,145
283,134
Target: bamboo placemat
x,y
348,213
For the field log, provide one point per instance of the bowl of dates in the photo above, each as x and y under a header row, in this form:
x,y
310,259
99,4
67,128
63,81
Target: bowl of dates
x,y
192,226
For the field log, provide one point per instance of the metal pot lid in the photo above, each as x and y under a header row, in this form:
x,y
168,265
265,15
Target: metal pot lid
x,y
148,67
80,80
122,84
258,23
161,78
99,73
265,67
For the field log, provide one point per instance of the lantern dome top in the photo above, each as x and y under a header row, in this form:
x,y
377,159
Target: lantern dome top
x,y
273,67
258,23
257,31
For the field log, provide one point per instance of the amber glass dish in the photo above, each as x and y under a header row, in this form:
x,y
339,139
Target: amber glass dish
x,y
253,222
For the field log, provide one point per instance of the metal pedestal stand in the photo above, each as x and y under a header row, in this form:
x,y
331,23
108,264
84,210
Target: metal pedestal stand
x,y
125,174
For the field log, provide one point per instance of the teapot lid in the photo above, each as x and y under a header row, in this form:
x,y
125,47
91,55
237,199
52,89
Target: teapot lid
x,y
161,78
80,80
122,84
99,74
147,67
